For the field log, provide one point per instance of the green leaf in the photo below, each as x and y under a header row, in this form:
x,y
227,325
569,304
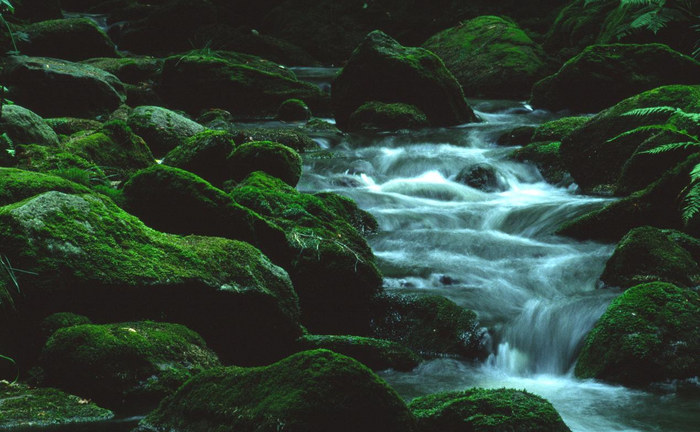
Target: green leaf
x,y
673,146
6,5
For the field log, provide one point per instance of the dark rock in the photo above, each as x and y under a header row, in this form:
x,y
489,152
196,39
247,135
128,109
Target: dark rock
x,y
25,127
132,70
483,177
546,157
162,129
272,158
386,117
519,136
293,110
205,154
59,320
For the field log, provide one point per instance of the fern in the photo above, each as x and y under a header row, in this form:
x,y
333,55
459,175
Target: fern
x,y
673,146
651,128
646,112
691,200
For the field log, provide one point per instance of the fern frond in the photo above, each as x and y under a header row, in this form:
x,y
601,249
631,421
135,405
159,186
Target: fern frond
x,y
646,112
673,146
642,2
691,201
649,128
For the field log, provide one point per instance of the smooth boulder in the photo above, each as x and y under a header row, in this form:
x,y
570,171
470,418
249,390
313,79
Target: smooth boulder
x,y
161,128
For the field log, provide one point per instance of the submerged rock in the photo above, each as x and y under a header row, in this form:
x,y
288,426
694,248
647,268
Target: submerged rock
x,y
312,391
131,363
487,410
380,69
491,57
650,333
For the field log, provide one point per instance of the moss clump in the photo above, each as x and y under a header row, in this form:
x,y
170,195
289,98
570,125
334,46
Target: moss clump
x,y
71,125
293,110
205,154
59,162
25,407
546,157
376,354
380,69
162,129
361,220
648,254
491,57
124,363
60,320
132,70
387,117
487,410
86,255
292,138
312,391
17,185
273,158
333,268
430,325
555,130
650,333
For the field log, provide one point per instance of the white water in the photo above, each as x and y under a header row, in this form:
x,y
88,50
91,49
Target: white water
x,y
494,253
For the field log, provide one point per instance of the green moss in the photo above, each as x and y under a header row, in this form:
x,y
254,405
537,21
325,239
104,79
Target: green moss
x,y
205,154
124,362
312,391
650,333
293,110
60,320
71,125
545,155
295,139
17,185
346,208
162,129
132,70
382,116
555,130
25,407
273,158
377,354
487,410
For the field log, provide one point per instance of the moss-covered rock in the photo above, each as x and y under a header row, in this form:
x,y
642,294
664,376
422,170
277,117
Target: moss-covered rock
x,y
594,161
650,333
361,220
520,136
376,354
159,192
59,320
312,391
273,158
556,130
27,407
333,268
68,38
58,162
126,363
243,85
545,156
648,254
603,75
380,69
429,325
491,57
83,254
487,410
71,125
114,147
131,70
23,126
206,154
293,138
17,185
162,129
386,117
293,110
55,88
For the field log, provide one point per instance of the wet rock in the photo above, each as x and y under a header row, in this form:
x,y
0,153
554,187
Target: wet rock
x,y
546,157
293,110
517,137
483,177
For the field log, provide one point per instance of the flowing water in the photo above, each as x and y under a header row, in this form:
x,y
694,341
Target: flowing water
x,y
495,253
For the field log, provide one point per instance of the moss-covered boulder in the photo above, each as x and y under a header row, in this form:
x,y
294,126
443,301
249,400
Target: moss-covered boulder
x,y
650,333
429,325
17,185
332,267
125,363
159,192
83,254
491,57
594,161
545,156
487,410
40,408
205,154
58,162
312,391
293,110
386,117
132,70
648,254
242,84
361,220
68,38
115,147
380,69
293,138
376,354
59,320
556,130
162,129
23,126
70,125
602,75
55,88
273,158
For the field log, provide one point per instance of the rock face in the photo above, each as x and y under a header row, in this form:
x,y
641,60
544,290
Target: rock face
x,y
491,57
86,255
126,363
55,88
486,410
650,333
648,254
380,69
162,129
313,391
602,75
25,127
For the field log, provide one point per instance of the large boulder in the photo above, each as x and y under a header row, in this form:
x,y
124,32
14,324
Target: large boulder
x,y
380,69
55,88
242,84
162,129
602,75
650,333
491,57
486,410
25,127
273,158
125,363
648,254
312,391
83,254
206,154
